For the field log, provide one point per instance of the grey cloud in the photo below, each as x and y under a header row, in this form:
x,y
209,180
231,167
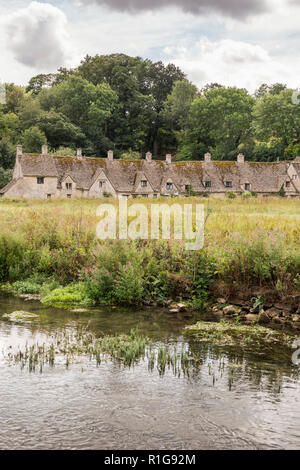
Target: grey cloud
x,y
37,37
234,8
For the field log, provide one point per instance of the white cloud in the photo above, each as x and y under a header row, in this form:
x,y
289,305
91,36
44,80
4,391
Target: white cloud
x,y
231,63
37,36
209,48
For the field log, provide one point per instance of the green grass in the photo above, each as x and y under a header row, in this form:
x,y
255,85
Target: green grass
x,y
45,245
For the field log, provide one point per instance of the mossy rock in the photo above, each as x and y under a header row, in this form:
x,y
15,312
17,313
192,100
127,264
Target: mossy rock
x,y
20,316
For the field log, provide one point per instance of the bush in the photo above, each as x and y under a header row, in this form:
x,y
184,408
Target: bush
x,y
71,294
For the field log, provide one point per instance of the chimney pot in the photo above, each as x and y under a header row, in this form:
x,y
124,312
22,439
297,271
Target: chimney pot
x,y
110,155
207,157
169,158
148,156
19,150
241,158
44,149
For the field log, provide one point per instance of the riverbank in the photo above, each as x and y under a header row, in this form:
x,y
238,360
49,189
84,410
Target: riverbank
x,y
249,266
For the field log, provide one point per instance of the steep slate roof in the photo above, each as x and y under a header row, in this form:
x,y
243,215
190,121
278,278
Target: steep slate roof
x,y
38,165
8,186
124,175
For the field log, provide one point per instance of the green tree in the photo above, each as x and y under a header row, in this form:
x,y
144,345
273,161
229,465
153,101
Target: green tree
x,y
29,112
59,131
37,83
265,89
5,177
142,87
7,154
14,98
277,116
87,106
219,120
178,103
33,139
64,152
9,126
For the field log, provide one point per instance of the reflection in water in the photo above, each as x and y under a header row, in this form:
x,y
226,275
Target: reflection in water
x,y
227,399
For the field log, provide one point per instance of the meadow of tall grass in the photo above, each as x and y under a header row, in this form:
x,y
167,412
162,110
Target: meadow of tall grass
x,y
50,247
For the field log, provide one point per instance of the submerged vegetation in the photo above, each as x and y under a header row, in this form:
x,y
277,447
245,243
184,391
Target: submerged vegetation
x,y
50,249
71,345
225,333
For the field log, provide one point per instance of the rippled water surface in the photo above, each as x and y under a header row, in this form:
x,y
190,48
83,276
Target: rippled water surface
x,y
245,404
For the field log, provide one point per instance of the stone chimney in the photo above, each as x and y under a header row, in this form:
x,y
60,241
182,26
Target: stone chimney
x,y
110,155
207,157
44,149
241,158
168,158
148,156
19,151
79,154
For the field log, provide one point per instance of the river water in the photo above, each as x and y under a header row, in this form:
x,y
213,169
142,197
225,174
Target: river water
x,y
248,403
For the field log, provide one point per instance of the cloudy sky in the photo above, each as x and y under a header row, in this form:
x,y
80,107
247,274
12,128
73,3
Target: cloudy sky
x,y
233,42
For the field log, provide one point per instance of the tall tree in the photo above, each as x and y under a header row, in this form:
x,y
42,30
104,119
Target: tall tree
x,y
275,115
178,103
220,120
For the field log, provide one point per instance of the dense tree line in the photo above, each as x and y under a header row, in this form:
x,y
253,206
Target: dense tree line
x,y
133,105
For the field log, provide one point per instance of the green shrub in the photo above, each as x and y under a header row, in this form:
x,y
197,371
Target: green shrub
x,y
26,287
71,294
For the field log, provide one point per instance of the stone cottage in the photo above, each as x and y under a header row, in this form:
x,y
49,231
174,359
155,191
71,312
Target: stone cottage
x,y
49,176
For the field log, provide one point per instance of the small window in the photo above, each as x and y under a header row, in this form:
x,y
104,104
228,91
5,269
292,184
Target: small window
x,y
247,186
144,195
144,183
40,180
294,177
228,184
169,186
207,184
48,196
154,196
69,196
287,184
69,186
101,184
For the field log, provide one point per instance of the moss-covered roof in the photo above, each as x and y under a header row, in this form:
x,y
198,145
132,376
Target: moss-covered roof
x,y
125,175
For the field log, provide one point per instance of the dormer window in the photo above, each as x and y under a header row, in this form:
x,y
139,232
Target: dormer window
x,y
40,180
228,184
144,183
207,184
247,186
69,186
287,184
169,186
101,183
294,177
